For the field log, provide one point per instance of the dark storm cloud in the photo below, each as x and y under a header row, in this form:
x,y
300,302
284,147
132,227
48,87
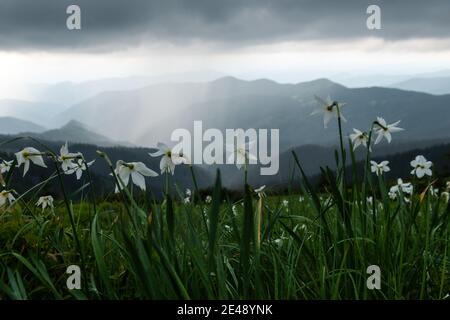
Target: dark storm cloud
x,y
116,24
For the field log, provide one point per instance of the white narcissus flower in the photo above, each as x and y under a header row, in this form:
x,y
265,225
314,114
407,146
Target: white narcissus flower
x,y
285,203
329,109
137,171
359,138
379,168
208,199
392,194
240,152
170,158
44,202
79,167
434,192
5,166
260,191
66,158
404,187
421,167
385,130
29,154
188,192
6,196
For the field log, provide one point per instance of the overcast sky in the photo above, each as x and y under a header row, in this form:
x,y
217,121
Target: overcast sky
x,y
287,40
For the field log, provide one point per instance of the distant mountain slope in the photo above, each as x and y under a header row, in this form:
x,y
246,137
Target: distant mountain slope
x,y
439,85
423,116
312,157
38,112
383,80
140,110
150,114
77,132
10,125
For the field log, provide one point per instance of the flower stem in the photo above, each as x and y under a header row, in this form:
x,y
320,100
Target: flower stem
x,y
69,210
196,194
343,156
91,184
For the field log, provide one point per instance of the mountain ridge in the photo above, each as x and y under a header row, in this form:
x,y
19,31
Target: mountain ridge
x,y
12,125
149,115
435,86
74,132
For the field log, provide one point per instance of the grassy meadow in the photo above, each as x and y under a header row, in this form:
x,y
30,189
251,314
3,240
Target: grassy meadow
x,y
307,244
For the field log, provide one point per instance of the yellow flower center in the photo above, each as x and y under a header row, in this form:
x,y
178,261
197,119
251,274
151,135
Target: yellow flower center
x,y
129,166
